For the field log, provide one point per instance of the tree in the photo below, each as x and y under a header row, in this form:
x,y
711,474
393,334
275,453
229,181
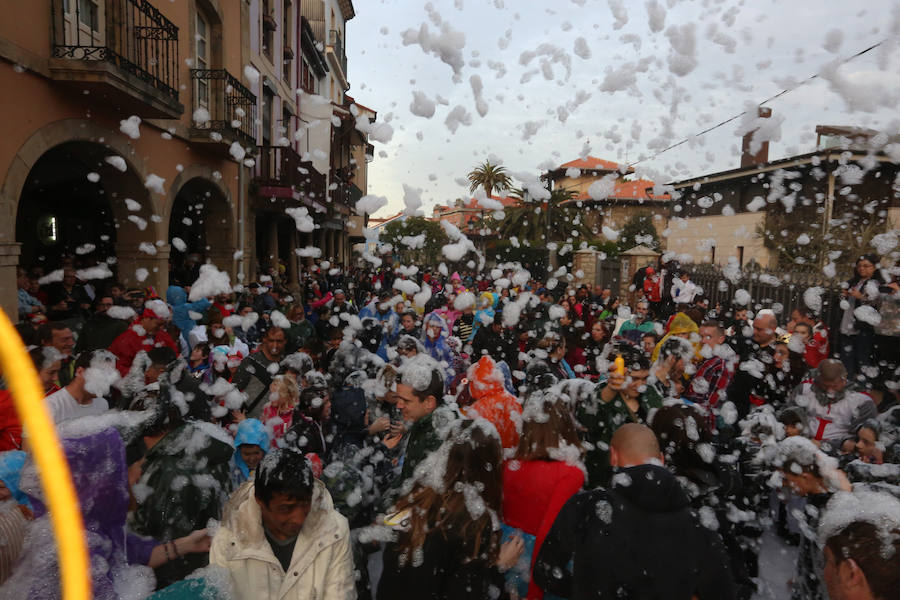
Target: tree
x,y
541,221
426,252
639,229
489,177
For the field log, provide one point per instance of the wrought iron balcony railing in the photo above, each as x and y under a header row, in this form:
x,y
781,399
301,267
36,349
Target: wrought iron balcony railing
x,y
281,166
230,106
132,35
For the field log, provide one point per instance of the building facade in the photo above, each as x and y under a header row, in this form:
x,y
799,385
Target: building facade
x,y
136,138
801,212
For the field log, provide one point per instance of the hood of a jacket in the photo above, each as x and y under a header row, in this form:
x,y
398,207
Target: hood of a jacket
x,y
434,317
485,379
195,441
249,431
176,295
11,463
651,488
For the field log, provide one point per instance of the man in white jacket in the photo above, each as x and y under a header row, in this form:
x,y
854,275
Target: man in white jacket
x,y
282,539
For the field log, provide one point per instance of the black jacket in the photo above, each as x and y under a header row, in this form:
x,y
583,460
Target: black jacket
x,y
441,572
498,346
638,540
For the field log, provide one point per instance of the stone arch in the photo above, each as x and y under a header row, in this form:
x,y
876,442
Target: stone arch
x,y
198,189
92,143
52,135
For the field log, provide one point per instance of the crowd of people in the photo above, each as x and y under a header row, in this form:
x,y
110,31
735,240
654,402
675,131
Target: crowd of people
x,y
421,433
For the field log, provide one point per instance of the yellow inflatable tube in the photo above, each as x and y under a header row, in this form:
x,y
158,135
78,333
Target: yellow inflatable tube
x,y
56,480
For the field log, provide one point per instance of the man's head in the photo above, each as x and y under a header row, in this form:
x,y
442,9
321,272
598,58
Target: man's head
x,y
160,358
417,403
94,373
273,343
832,376
648,342
69,277
59,336
712,334
861,561
634,444
764,326
103,304
339,297
283,489
641,310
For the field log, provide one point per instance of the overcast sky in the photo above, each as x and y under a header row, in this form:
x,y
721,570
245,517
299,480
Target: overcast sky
x,y
623,77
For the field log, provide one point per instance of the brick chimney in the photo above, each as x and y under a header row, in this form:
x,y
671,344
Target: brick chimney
x,y
762,156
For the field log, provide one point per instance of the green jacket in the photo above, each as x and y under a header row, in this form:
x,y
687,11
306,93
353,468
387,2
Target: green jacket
x,y
424,437
184,483
600,420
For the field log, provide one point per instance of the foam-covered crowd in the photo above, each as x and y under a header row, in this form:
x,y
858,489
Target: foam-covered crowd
x,y
414,433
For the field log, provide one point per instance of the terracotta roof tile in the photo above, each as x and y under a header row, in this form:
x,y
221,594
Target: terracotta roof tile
x,y
631,190
592,162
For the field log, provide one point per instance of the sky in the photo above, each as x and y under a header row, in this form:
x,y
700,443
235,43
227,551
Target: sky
x,y
620,79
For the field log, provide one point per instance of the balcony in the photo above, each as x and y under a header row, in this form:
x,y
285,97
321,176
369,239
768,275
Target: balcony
x,y
231,108
123,51
334,51
280,173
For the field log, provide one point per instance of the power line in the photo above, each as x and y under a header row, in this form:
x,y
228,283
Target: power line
x,y
767,100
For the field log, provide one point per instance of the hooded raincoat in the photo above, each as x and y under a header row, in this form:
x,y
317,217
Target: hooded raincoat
x,y
249,431
492,401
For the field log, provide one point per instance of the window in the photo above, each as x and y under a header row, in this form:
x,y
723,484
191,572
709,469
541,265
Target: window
x,y
268,26
268,101
284,130
201,59
712,255
84,24
740,250
88,14
287,46
308,81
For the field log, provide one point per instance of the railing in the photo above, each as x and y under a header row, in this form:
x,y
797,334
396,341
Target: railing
x,y
782,292
130,34
282,167
335,41
230,105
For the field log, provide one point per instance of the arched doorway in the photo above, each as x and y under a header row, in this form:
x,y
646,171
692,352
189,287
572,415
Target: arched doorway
x,y
79,200
200,230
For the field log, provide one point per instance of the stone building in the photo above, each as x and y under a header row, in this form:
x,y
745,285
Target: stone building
x,y
134,136
800,212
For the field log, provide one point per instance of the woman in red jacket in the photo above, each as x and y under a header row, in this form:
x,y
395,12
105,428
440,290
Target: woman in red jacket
x,y
544,473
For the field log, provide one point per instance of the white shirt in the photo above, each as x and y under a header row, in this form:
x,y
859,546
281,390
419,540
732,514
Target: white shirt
x,y
683,292
64,407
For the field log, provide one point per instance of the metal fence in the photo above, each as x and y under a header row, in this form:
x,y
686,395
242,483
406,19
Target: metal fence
x,y
131,34
231,106
780,291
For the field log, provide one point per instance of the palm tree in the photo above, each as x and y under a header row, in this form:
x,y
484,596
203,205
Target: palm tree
x,y
490,177
544,221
